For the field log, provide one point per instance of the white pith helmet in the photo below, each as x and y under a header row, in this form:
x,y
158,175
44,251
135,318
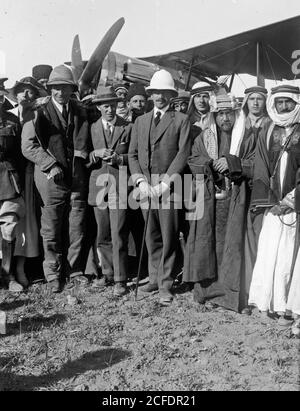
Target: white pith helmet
x,y
162,80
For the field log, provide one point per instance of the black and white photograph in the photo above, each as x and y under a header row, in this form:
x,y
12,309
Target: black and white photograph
x,y
149,198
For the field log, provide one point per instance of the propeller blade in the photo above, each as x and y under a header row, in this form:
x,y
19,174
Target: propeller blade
x,y
76,58
97,58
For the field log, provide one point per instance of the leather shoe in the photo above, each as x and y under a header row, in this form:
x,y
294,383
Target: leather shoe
x,y
120,289
54,286
149,288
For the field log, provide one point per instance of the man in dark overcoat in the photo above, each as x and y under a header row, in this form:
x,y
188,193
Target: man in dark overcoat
x,y
52,142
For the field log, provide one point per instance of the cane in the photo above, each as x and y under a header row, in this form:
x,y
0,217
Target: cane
x,y
142,248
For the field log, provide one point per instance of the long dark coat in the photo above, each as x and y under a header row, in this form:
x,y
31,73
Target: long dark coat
x,y
200,258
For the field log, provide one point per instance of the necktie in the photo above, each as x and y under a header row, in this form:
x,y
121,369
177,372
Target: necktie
x,y
157,118
65,112
109,128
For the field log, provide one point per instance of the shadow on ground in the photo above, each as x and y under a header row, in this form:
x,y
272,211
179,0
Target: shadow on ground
x,y
12,305
32,324
95,360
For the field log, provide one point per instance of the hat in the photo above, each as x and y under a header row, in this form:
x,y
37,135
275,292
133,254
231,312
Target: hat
x,y
28,81
256,89
3,92
61,75
162,80
41,71
225,102
285,88
105,95
136,89
183,95
120,86
201,87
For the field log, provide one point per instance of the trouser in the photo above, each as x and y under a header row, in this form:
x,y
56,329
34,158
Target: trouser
x,y
162,240
63,211
11,211
112,241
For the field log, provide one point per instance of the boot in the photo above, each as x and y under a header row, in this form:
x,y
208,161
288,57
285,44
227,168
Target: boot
x,y
8,279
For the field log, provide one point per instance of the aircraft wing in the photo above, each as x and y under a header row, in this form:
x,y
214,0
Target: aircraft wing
x,y
238,53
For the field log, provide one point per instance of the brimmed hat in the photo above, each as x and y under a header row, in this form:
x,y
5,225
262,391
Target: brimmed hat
x,y
41,71
183,95
162,80
3,91
224,102
105,95
28,81
62,75
136,89
201,87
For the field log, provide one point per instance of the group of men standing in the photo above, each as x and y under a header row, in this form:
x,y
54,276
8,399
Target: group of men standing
x,y
242,160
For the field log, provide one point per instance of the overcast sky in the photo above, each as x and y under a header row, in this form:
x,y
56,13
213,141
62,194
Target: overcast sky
x,y
41,31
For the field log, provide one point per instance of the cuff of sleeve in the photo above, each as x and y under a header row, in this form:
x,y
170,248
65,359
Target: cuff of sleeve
x,y
234,166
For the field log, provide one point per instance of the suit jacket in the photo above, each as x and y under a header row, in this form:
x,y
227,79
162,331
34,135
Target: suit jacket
x,y
167,155
47,139
120,144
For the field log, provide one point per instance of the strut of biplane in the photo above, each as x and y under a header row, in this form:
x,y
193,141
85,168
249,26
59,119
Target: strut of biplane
x,y
265,52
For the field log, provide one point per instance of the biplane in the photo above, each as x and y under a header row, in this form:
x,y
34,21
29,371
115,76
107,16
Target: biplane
x,y
268,52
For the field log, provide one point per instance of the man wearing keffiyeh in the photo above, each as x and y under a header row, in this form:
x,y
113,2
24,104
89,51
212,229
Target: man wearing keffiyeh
x,y
215,245
276,164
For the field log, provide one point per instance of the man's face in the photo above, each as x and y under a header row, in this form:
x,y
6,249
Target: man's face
x,y
225,119
161,98
62,93
256,104
284,105
137,103
108,110
181,106
25,94
201,102
122,93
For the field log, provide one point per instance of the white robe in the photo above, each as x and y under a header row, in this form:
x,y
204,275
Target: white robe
x,y
293,303
269,290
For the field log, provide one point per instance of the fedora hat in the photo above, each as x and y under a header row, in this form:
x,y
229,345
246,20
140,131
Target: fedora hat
x,y
105,95
162,80
62,75
183,95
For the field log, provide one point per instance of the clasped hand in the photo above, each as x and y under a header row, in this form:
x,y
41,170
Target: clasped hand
x,y
221,165
107,155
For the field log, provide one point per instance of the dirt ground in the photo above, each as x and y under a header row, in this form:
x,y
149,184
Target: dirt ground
x,y
86,339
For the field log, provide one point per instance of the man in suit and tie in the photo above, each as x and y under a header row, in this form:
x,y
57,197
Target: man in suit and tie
x,y
108,188
159,148
51,140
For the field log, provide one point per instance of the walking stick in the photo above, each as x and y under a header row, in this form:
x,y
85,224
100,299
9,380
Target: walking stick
x,y
142,248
